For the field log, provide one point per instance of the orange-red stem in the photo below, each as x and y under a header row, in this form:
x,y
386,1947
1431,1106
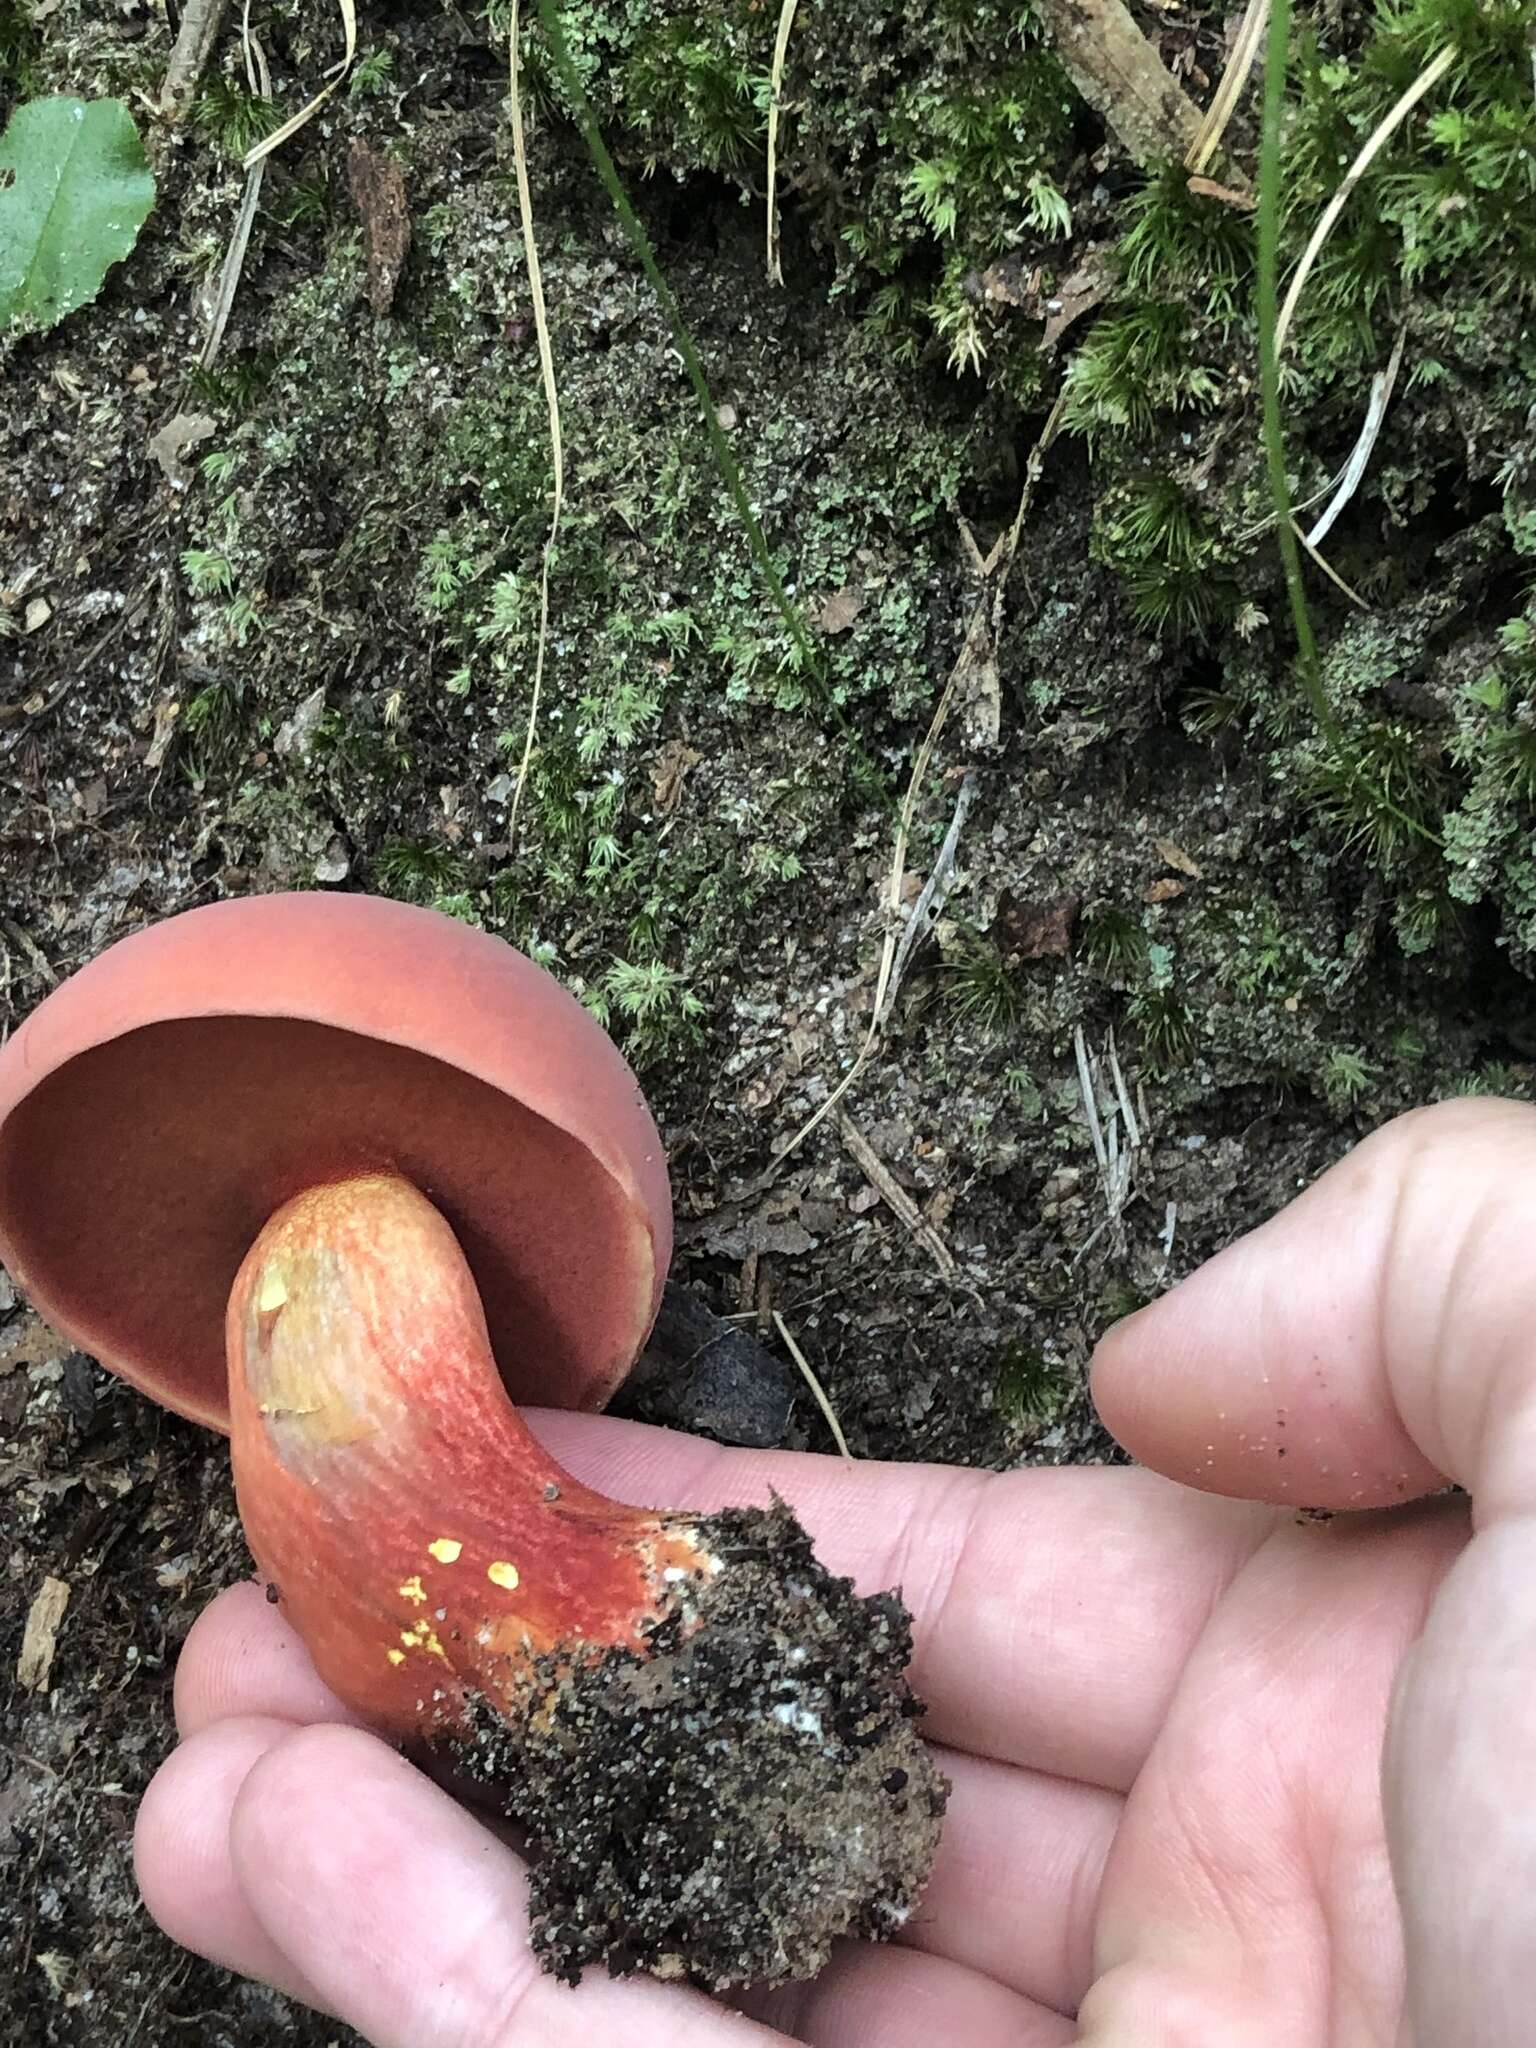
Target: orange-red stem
x,y
423,1543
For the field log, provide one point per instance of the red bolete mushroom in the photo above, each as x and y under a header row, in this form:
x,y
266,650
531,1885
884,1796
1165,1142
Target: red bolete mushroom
x,y
336,1174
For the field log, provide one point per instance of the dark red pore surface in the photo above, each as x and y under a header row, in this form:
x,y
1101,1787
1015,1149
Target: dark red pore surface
x,y
115,1172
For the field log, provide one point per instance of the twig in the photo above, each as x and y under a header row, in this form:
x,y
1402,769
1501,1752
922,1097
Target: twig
x,y
815,1386
201,21
775,86
551,396
985,623
895,1197
1121,76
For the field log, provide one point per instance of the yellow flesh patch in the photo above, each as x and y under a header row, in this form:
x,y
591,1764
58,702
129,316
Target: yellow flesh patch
x,y
395,1656
274,1292
414,1591
504,1575
445,1550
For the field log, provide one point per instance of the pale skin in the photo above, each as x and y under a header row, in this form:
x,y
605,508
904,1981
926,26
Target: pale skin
x,y
1223,1777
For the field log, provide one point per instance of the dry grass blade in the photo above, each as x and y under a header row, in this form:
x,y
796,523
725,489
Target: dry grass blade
x,y
1245,50
929,906
260,81
984,624
815,1386
551,393
776,84
1372,147
269,143
1345,589
1375,412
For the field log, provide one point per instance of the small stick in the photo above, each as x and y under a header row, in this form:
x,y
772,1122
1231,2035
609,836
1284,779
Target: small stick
x,y
895,1196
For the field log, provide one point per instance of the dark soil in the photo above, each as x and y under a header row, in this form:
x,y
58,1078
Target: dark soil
x,y
727,1806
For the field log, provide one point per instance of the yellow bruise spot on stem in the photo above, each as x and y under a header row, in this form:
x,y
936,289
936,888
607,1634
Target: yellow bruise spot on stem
x,y
414,1591
445,1549
505,1575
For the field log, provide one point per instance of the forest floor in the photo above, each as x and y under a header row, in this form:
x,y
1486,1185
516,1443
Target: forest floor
x,y
1188,945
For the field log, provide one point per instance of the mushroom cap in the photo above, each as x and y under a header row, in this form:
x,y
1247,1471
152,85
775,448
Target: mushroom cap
x,y
160,1105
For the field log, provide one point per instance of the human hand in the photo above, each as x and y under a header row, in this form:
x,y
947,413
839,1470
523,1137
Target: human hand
x,y
1162,1712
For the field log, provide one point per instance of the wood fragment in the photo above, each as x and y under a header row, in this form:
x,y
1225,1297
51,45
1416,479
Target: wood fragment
x,y
40,1636
201,21
1122,77
377,185
894,1195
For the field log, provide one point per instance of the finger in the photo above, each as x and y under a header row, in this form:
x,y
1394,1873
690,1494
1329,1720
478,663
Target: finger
x,y
181,1853
901,2000
1389,1320
409,1919
241,1658
1052,1609
1249,1883
1015,1888
1366,1344
1016,1880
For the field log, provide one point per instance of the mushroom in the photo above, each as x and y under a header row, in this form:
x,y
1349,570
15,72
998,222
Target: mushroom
x,y
335,1174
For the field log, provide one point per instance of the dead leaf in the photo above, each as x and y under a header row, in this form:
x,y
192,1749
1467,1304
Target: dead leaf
x,y
377,185
296,735
975,679
1037,930
40,1636
36,615
1087,287
839,611
1009,283
176,440
1164,890
1174,854
31,1342
167,711
669,771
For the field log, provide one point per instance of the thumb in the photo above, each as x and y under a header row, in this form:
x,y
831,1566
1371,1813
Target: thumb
x,y
1374,1340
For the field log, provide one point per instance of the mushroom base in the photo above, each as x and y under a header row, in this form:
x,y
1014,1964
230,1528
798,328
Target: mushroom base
x,y
725,1804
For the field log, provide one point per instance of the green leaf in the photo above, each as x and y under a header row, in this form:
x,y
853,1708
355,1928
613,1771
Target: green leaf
x,y
75,189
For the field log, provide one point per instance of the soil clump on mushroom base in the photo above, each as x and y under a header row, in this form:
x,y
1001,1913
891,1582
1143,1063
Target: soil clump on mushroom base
x,y
726,1806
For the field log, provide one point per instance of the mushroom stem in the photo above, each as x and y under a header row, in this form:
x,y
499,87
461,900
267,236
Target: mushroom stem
x,y
424,1544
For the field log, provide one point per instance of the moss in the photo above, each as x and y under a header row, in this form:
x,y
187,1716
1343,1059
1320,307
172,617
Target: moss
x,y
20,45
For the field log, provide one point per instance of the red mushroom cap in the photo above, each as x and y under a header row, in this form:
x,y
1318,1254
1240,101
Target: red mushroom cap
x,y
158,1107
